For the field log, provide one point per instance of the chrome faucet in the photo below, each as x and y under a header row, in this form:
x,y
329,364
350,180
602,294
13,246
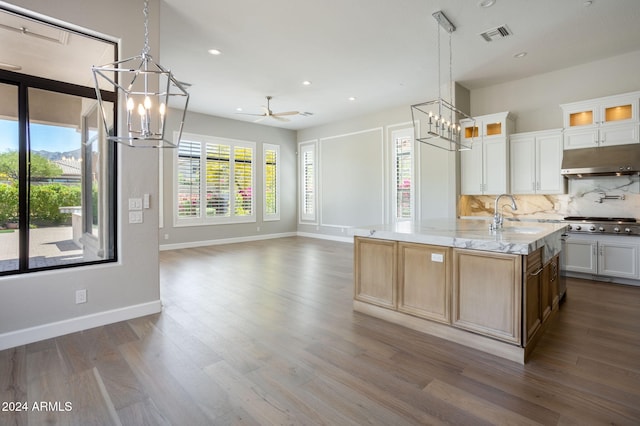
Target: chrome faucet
x,y
497,215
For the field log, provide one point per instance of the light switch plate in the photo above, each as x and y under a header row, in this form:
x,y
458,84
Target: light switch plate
x,y
135,203
437,257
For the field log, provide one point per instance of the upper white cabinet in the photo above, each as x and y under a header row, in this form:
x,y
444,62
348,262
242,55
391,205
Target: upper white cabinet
x,y
485,167
612,120
536,160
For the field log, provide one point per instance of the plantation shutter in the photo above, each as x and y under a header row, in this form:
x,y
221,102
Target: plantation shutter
x,y
218,182
308,165
189,164
271,181
243,180
404,177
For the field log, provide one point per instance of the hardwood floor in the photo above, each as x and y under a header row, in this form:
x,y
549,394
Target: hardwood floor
x,y
264,333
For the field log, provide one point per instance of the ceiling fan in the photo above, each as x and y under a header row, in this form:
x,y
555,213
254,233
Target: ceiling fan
x,y
268,113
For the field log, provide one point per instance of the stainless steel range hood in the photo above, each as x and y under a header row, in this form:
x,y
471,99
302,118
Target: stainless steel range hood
x,y
605,161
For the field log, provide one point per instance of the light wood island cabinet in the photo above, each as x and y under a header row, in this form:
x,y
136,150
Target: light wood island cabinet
x,y
486,293
375,272
424,281
533,285
496,302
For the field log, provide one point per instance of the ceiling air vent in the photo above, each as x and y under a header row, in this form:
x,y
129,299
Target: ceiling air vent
x,y
496,33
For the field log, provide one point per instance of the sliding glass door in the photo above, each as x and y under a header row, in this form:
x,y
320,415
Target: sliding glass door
x,y
9,171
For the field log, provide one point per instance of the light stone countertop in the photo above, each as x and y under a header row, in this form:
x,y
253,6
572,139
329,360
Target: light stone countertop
x,y
516,237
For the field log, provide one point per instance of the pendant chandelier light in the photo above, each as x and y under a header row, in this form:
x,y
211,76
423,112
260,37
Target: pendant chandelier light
x,y
147,89
436,122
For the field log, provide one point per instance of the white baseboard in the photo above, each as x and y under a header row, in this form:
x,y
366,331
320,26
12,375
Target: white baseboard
x,y
325,237
72,325
205,243
602,278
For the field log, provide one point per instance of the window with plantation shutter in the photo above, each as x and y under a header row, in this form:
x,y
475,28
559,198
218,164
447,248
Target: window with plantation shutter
x,y
243,179
218,184
215,181
404,180
271,155
189,179
308,182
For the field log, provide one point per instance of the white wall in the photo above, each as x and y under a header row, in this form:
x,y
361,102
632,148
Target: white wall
x,y
358,152
40,305
536,100
200,124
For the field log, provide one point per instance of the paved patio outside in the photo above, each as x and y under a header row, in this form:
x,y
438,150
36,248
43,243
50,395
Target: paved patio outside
x,y
49,247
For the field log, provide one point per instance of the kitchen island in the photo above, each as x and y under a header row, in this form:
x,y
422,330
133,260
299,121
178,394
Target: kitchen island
x,y
494,290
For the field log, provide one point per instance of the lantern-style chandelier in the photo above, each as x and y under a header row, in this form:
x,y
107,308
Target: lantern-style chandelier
x,y
436,122
147,89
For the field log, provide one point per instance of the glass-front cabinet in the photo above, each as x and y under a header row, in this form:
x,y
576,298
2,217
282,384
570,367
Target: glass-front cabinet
x,y
612,120
497,125
485,167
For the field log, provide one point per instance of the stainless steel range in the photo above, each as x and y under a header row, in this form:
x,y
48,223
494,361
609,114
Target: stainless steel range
x,y
602,225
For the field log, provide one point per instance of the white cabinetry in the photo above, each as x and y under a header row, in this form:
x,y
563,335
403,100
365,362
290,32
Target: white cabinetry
x,y
602,122
536,160
485,167
608,255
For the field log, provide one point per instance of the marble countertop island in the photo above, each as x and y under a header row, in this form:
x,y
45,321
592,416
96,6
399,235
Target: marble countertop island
x,y
515,237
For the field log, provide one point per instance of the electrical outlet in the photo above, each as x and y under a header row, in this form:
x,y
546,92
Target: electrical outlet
x,y
81,296
166,236
258,229
136,217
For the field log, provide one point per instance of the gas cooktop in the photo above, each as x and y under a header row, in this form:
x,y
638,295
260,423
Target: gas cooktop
x,y
600,219
603,225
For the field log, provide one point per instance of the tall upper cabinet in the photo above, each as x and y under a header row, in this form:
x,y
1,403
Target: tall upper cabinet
x,y
612,120
536,160
485,167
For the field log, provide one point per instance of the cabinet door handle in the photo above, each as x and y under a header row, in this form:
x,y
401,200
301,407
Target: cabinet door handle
x,y
537,272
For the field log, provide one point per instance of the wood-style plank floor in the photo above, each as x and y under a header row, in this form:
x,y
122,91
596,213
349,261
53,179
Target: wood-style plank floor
x,y
264,333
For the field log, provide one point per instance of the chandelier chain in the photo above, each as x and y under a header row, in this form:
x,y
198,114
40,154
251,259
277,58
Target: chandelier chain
x,y
145,11
450,74
439,81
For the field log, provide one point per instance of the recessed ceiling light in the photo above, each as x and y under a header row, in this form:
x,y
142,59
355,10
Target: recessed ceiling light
x,y
587,3
352,98
214,52
239,109
487,3
520,55
306,83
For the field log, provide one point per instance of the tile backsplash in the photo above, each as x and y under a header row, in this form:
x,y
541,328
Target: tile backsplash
x,y
582,199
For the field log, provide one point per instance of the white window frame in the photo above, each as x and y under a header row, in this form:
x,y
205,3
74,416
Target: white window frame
x,y
406,133
308,217
202,219
267,216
